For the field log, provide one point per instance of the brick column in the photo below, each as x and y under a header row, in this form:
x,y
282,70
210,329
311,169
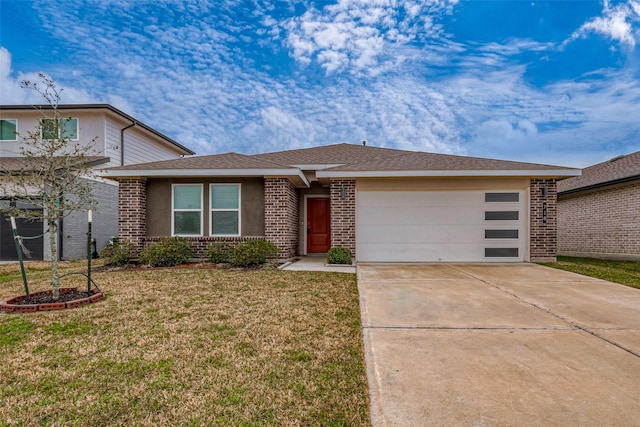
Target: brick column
x,y
343,214
281,206
543,236
132,211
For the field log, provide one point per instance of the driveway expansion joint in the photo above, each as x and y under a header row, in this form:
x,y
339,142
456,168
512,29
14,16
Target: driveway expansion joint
x,y
550,312
467,328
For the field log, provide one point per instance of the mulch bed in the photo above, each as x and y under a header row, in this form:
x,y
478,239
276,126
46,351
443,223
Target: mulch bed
x,y
47,297
43,301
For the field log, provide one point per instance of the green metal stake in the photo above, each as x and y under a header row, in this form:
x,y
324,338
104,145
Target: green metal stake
x,y
19,250
89,252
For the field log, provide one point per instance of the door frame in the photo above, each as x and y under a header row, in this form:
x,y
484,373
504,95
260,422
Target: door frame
x,y
304,217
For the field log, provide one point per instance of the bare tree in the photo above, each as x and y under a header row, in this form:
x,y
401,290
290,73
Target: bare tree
x,y
53,171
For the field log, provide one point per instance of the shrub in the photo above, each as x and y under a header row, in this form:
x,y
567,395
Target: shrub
x,y
253,252
169,251
117,252
339,256
220,252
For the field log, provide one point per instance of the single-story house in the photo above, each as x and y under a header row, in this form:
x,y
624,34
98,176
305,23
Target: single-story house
x,y
599,212
385,205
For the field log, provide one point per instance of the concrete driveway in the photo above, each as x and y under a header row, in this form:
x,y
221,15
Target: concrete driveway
x,y
499,345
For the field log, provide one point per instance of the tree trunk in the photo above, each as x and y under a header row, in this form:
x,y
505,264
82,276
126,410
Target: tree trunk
x,y
53,245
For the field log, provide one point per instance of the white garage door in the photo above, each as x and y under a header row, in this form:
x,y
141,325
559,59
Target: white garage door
x,y
432,226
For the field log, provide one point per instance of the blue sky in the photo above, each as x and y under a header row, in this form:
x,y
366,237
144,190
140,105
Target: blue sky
x,y
554,82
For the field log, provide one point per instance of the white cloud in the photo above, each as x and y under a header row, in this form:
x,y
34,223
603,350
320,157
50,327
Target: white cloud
x,y
354,34
618,22
199,85
12,92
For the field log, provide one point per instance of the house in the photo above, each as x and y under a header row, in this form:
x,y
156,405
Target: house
x,y
118,139
385,205
599,212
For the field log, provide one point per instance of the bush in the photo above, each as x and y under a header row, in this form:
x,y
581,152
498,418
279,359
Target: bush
x,y
253,252
339,256
220,252
169,251
117,252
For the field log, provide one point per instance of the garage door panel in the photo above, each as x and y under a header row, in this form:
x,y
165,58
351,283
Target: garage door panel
x,y
420,198
423,226
412,252
421,215
423,234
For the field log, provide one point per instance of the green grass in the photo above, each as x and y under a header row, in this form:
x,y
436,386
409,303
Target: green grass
x,y
623,272
189,346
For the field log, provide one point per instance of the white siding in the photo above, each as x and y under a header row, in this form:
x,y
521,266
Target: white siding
x,y
90,126
139,148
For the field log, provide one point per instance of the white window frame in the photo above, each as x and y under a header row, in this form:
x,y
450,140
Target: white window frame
x,y
60,128
15,136
238,210
174,210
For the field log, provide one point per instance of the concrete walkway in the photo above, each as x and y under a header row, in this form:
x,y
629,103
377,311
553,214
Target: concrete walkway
x,y
496,345
317,263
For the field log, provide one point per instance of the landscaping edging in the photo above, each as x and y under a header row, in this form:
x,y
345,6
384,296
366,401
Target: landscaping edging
x,y
10,305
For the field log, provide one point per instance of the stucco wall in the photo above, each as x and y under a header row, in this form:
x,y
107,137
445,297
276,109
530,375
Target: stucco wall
x,y
159,205
604,223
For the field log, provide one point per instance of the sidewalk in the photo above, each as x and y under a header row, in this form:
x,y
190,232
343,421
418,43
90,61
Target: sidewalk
x,y
316,263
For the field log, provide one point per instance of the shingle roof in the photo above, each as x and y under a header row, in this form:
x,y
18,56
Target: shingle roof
x,y
413,161
339,160
609,172
335,154
213,161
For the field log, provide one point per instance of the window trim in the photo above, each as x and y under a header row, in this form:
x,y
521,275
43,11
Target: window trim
x,y
174,210
60,128
238,210
15,135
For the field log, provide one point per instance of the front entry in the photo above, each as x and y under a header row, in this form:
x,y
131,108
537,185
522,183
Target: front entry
x,y
318,224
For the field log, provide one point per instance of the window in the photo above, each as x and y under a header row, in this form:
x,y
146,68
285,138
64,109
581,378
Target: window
x,y
501,252
500,234
225,210
501,215
501,197
186,219
66,128
8,128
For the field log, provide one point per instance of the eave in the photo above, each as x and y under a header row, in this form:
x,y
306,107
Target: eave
x,y
548,173
298,177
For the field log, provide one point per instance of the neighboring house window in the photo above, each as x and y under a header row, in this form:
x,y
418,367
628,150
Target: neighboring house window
x,y
8,128
67,128
186,219
225,209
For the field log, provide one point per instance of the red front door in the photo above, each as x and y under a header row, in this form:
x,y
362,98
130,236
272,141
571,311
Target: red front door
x,y
318,225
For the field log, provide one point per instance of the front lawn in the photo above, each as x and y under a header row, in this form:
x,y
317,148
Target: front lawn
x,y
624,272
189,346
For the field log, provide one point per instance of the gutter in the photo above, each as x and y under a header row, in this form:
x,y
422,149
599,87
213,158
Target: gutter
x,y
599,185
133,123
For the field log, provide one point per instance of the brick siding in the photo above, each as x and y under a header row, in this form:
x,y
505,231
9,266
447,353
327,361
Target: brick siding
x,y
132,211
543,236
343,214
200,245
281,205
602,224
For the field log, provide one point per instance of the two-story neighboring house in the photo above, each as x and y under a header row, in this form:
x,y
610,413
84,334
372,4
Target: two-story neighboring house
x,y
118,140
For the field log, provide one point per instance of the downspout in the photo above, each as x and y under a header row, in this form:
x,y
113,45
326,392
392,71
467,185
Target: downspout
x,y
133,123
61,233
